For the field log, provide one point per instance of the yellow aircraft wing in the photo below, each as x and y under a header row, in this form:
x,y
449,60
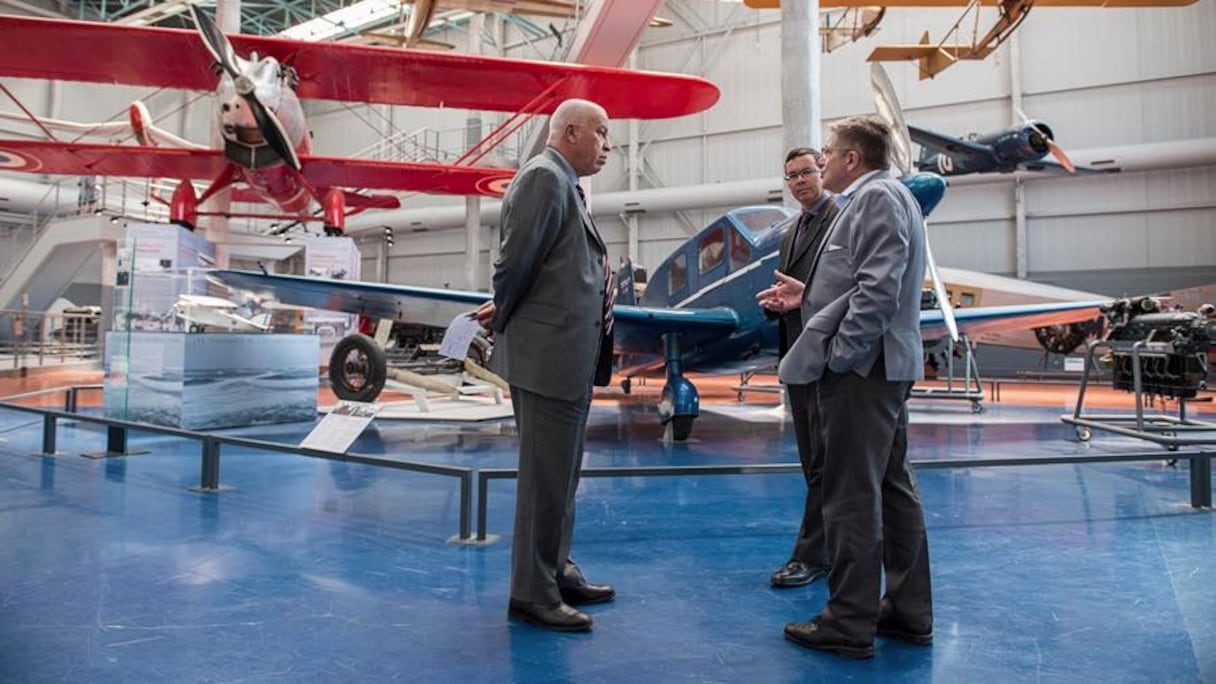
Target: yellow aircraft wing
x,y
833,4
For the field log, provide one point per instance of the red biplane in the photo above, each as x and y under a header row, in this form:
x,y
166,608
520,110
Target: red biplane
x,y
259,83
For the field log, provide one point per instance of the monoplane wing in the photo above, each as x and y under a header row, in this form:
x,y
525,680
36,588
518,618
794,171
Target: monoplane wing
x,y
174,58
432,306
947,144
993,319
50,157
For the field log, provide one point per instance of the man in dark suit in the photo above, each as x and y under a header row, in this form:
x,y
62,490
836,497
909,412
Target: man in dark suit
x,y
861,346
803,233
551,315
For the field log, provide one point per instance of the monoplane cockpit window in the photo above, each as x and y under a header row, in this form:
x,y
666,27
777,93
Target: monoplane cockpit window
x,y
677,275
760,220
740,251
711,251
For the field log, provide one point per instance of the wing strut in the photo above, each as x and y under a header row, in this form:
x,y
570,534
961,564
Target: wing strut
x,y
508,127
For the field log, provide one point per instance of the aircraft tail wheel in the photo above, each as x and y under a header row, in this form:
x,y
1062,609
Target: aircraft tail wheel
x,y
681,427
977,407
357,368
195,328
626,385
1084,434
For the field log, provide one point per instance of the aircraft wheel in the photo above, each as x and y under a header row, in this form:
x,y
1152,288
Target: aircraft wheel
x,y
357,368
1084,434
195,328
681,427
627,385
977,407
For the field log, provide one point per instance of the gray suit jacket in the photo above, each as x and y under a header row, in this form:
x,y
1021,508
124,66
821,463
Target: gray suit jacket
x,y
797,263
548,283
863,294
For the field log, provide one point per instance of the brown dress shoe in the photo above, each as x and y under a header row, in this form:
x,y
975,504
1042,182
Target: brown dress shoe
x,y
558,617
587,593
814,635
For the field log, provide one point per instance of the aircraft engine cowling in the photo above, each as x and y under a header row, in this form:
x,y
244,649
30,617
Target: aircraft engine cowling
x,y
1029,142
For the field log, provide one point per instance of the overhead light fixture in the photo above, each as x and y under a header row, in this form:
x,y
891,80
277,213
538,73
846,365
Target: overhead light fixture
x,y
345,20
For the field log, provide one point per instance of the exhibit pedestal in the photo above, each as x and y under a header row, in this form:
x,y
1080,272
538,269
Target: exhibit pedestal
x,y
207,381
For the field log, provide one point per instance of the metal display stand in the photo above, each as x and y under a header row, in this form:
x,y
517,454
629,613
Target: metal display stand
x,y
1160,427
970,390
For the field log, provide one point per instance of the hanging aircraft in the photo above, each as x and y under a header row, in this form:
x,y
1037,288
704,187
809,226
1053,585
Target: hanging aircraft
x,y
259,83
935,57
1020,147
698,312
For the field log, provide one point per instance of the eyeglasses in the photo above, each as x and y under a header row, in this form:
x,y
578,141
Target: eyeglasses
x,y
802,173
833,150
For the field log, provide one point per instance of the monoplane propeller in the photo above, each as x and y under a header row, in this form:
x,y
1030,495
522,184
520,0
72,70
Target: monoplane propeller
x,y
1055,150
889,110
238,70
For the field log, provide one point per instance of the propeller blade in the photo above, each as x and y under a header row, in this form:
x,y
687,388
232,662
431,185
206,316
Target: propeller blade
x,y
939,289
1058,153
887,106
216,42
272,130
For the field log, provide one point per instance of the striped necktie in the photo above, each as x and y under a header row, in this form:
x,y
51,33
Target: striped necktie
x,y
609,285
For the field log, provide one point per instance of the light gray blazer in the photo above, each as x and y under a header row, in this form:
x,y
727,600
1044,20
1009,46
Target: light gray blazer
x,y
863,293
548,283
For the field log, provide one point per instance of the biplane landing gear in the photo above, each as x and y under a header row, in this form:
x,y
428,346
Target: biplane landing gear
x,y
627,385
183,206
357,368
680,404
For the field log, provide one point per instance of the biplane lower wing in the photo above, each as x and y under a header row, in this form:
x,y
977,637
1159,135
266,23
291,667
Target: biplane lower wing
x,y
161,162
639,330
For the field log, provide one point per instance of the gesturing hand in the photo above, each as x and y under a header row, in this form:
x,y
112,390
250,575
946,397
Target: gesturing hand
x,y
784,295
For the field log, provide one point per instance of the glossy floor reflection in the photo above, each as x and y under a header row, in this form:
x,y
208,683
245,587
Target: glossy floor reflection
x,y
312,571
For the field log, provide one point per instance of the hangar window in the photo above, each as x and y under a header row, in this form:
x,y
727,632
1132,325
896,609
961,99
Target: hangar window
x,y
712,250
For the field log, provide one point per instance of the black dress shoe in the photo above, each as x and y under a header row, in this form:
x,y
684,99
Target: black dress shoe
x,y
892,625
587,593
813,635
797,574
558,617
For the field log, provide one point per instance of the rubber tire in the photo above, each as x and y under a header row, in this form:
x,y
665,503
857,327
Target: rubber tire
x,y
357,354
681,427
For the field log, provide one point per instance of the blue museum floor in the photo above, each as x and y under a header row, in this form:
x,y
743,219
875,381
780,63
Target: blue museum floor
x,y
306,570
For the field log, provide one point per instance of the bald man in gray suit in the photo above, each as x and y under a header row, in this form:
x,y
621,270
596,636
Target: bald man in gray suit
x,y
861,346
549,319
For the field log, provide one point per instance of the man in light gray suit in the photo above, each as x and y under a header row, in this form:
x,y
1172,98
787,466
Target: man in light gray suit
x,y
551,319
861,345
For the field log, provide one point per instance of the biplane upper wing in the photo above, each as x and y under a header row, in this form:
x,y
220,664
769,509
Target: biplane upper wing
x,y
175,58
81,159
831,4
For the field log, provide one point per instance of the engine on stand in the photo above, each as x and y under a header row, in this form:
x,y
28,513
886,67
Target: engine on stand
x,y
1170,348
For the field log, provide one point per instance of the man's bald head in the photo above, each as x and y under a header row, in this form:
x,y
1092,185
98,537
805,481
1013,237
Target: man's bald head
x,y
578,129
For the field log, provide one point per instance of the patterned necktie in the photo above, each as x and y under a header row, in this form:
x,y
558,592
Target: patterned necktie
x,y
801,232
609,285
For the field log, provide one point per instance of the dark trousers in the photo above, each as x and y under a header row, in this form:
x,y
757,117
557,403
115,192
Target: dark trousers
x,y
871,509
809,547
551,435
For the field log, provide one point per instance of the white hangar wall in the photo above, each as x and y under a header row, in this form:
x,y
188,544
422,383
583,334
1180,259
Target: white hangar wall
x,y
1099,78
